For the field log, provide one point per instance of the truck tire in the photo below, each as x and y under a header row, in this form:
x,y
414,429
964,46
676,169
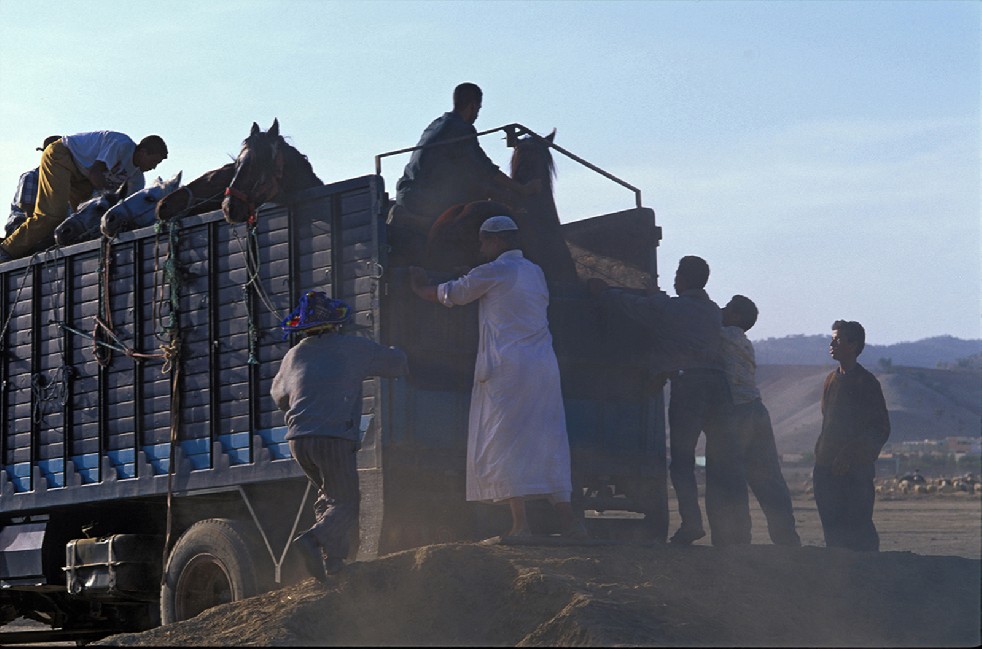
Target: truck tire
x,y
214,562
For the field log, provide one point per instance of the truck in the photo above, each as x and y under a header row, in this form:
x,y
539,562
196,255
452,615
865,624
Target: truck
x,y
144,473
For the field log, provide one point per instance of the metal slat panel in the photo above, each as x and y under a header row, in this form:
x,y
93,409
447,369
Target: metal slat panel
x,y
222,393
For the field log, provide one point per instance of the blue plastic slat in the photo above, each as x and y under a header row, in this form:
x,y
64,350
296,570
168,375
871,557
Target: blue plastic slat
x,y
88,475
235,440
280,450
273,435
196,446
20,470
237,455
122,456
86,461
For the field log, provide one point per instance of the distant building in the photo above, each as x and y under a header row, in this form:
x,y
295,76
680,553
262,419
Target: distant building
x,y
963,445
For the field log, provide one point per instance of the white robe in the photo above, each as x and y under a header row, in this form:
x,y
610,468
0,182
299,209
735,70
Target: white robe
x,y
516,439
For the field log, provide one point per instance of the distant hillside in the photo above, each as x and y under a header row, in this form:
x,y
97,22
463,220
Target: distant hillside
x,y
940,351
923,403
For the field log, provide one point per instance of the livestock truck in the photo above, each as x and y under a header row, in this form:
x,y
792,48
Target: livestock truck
x,y
144,474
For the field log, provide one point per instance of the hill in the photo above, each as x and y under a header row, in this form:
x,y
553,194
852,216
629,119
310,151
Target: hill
x,y
923,403
940,351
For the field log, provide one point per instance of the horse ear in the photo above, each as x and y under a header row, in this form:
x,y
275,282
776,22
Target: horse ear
x,y
255,129
274,130
176,180
552,135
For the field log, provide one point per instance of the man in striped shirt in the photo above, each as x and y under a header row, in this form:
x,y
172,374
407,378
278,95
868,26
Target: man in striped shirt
x,y
752,423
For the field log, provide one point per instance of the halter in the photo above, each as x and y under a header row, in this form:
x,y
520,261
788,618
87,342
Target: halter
x,y
276,177
242,196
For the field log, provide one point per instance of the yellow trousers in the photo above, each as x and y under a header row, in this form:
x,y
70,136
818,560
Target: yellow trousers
x,y
61,187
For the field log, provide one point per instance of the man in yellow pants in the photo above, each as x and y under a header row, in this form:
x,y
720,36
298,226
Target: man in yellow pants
x,y
71,169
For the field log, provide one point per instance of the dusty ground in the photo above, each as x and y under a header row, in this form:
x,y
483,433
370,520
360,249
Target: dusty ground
x,y
588,595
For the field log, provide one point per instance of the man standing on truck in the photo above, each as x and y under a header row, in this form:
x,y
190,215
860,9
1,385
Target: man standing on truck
x,y
749,418
855,426
71,169
686,334
439,176
319,388
517,446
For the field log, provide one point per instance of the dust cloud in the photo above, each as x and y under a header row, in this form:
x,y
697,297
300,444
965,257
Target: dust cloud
x,y
605,594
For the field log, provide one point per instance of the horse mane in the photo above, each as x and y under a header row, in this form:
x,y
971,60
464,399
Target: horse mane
x,y
298,173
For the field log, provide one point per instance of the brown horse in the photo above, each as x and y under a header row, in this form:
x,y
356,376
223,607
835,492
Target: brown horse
x,y
203,194
267,169
452,243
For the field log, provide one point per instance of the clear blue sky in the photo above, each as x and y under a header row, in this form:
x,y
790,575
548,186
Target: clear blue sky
x,y
822,156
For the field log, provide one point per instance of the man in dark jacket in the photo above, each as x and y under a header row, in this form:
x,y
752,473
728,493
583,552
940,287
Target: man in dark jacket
x,y
449,168
855,425
318,387
686,333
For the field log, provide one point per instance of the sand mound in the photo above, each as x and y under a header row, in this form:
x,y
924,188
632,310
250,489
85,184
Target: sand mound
x,y
488,594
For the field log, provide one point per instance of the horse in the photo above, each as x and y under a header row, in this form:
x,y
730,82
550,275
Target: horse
x,y
203,194
138,209
452,241
266,168
83,223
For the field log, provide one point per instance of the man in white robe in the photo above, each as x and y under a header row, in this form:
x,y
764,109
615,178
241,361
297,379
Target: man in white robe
x,y
517,446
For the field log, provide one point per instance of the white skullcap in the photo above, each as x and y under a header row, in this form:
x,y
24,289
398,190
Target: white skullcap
x,y
498,224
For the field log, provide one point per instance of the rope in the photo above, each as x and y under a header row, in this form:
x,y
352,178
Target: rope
x,y
13,307
251,252
174,367
103,319
171,350
253,265
46,389
253,281
192,204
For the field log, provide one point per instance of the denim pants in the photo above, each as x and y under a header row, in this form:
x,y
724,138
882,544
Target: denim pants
x,y
845,506
697,403
331,465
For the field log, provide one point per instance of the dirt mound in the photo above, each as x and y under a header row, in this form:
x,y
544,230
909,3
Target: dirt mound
x,y
588,595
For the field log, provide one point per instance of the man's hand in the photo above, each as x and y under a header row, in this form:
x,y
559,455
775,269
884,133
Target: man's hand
x,y
419,281
97,174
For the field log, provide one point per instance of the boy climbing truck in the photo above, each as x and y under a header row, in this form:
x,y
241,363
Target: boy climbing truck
x,y
144,475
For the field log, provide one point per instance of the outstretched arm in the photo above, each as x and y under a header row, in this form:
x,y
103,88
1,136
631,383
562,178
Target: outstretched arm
x,y
421,285
503,182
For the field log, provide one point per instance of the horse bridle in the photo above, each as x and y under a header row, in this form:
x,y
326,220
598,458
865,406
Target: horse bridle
x,y
243,197
240,195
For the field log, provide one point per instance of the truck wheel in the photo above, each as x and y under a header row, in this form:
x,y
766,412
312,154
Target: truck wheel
x,y
214,562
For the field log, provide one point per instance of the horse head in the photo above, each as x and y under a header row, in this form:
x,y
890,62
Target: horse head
x,y
538,222
258,174
532,160
83,223
203,194
137,209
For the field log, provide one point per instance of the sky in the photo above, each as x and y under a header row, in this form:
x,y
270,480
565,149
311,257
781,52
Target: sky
x,y
823,157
